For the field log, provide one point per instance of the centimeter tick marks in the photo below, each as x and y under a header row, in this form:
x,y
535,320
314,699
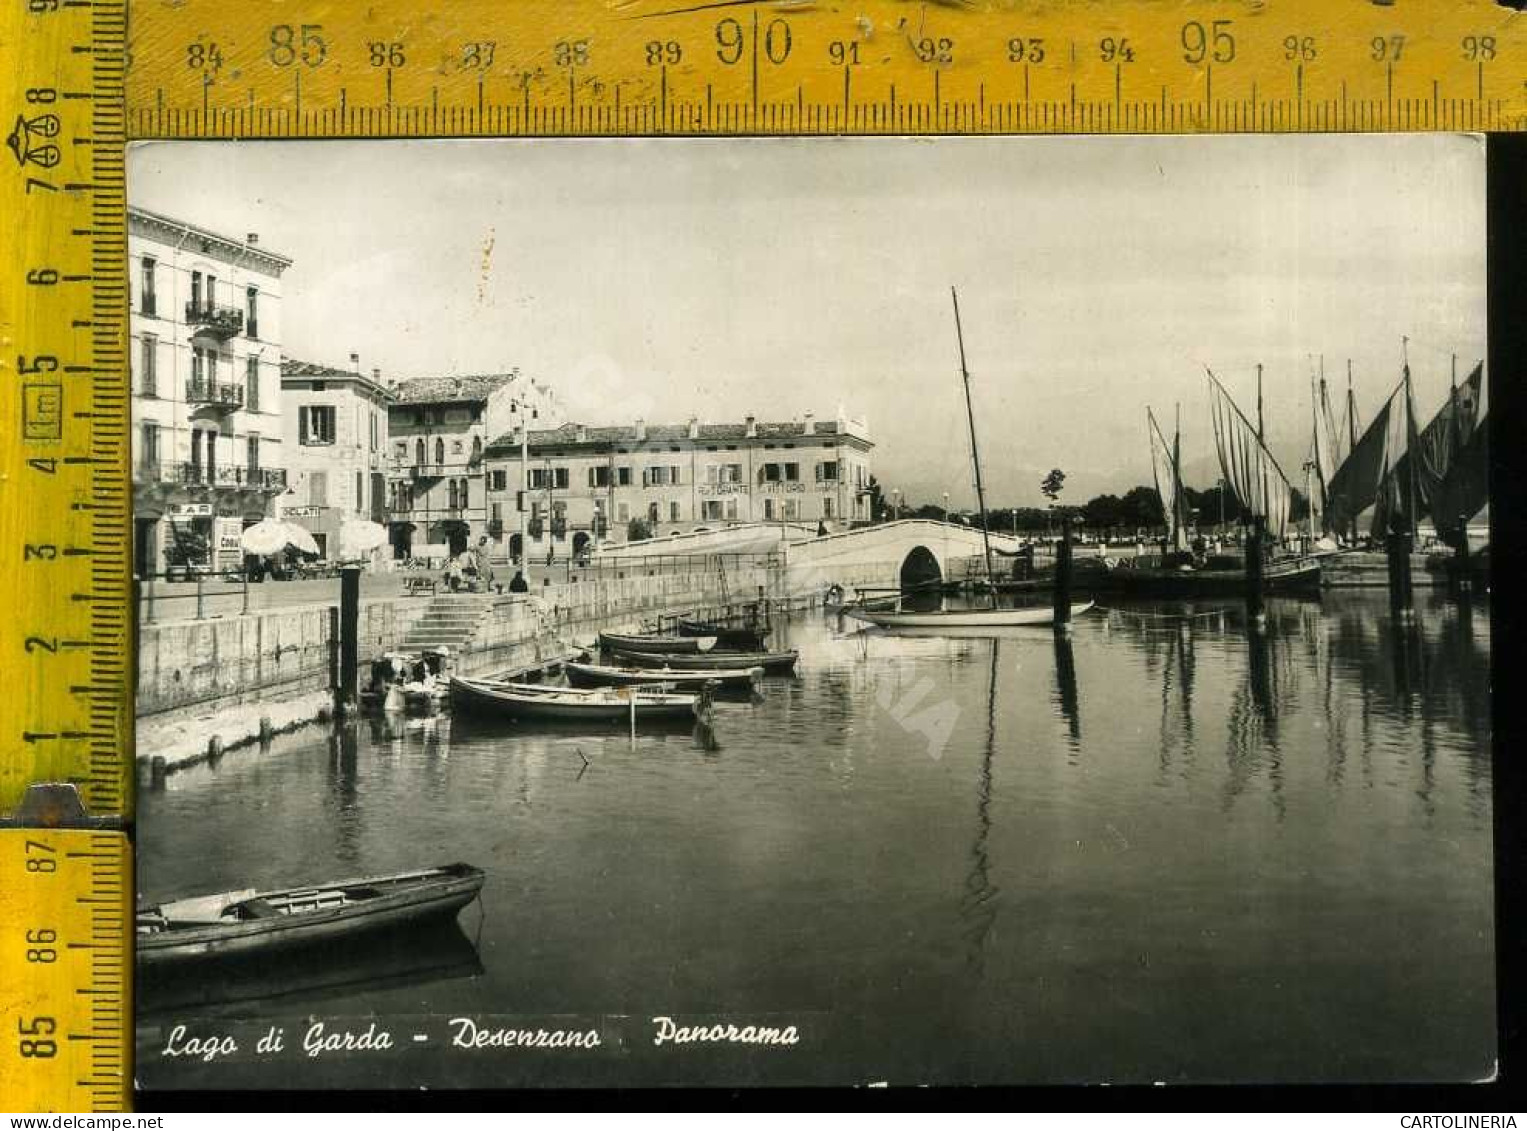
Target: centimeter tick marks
x,y
883,66
65,525
65,998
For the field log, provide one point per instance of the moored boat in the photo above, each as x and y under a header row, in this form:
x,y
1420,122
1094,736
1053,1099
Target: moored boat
x,y
651,643
237,923
601,675
716,661
965,618
1292,576
740,639
569,704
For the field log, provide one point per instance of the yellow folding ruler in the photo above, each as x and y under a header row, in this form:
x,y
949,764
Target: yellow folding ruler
x,y
80,77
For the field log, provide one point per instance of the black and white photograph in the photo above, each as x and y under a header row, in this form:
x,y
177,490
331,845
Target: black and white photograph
x,y
793,612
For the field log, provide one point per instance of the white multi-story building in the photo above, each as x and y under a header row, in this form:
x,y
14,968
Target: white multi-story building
x,y
336,447
438,429
206,391
587,483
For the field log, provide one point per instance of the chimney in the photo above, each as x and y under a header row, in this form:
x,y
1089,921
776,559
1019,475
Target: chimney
x,y
694,427
641,430
376,375
252,238
355,362
582,433
752,423
811,424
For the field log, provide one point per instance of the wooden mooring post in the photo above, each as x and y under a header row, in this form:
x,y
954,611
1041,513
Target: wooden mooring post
x,y
1061,604
1256,611
1401,599
1463,570
347,692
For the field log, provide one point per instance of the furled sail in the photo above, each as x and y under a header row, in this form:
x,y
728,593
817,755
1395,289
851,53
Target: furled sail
x,y
1164,465
1355,485
1322,452
1250,469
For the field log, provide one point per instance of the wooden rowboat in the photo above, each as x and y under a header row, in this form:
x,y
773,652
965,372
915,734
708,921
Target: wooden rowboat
x,y
600,675
640,643
240,923
716,661
741,639
965,618
540,702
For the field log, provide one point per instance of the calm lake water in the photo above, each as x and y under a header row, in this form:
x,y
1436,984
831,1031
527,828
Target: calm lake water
x,y
1155,852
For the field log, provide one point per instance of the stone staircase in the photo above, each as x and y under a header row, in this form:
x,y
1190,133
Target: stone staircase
x,y
449,621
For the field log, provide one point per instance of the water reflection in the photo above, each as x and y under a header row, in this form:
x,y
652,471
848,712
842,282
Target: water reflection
x,y
1066,698
1294,823
317,974
979,906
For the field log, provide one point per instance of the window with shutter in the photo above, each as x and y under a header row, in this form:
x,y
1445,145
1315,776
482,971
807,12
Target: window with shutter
x,y
302,424
318,488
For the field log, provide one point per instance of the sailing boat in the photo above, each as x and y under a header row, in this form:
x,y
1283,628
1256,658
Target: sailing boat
x,y
991,617
1260,486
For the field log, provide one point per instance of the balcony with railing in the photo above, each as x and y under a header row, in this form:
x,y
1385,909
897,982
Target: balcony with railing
x,y
266,479
220,321
215,394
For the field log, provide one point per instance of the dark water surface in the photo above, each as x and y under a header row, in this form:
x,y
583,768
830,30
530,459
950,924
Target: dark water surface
x,y
1155,852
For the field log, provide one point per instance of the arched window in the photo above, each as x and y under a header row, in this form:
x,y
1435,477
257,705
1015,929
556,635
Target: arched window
x,y
476,448
439,450
419,451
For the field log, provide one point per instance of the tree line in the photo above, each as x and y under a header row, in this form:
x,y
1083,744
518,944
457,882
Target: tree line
x,y
1139,508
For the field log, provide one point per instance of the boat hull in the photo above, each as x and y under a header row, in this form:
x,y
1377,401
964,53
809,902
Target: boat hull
x,y
597,675
649,643
562,705
420,897
966,618
1300,579
768,661
740,639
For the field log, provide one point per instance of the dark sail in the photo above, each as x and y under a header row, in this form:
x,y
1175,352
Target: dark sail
x,y
1463,489
1355,486
1434,451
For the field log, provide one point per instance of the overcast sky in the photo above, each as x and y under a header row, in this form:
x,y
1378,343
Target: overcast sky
x,y
717,278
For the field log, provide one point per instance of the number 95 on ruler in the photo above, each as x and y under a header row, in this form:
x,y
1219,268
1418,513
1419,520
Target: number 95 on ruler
x,y
65,970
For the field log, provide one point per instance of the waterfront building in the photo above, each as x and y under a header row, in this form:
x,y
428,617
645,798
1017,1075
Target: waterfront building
x,y
584,484
205,329
336,444
438,429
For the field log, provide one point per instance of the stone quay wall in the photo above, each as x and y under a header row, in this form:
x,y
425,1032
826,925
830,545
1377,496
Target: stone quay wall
x,y
222,682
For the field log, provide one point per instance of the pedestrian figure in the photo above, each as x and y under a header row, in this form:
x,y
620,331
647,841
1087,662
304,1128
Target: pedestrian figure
x,y
519,584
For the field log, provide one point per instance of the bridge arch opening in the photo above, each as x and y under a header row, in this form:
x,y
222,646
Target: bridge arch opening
x,y
920,569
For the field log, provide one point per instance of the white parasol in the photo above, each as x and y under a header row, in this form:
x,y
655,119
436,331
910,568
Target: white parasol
x,y
266,537
270,536
358,537
299,538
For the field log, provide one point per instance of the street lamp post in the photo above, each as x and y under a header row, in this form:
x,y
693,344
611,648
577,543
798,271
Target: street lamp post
x,y
519,406
946,506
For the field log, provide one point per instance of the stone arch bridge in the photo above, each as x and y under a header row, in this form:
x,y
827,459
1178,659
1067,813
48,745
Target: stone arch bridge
x,y
904,552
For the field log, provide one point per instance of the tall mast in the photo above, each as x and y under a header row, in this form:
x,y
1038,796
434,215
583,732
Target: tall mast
x,y
975,455
1351,411
1410,437
1259,403
1177,480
